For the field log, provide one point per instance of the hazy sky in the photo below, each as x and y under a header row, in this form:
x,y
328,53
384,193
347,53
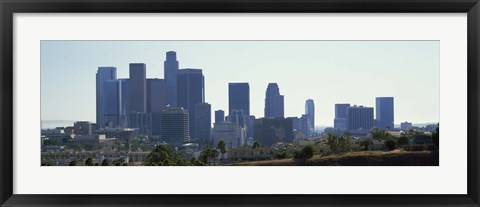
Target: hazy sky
x,y
328,72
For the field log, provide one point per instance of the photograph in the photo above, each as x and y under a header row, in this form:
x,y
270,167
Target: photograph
x,y
239,103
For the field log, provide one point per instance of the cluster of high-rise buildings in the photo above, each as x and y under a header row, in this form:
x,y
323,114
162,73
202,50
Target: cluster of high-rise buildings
x,y
174,108
361,118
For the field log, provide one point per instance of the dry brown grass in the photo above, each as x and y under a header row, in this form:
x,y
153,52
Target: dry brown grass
x,y
360,158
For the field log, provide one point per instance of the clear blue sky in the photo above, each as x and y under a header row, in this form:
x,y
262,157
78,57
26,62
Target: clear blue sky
x,y
328,72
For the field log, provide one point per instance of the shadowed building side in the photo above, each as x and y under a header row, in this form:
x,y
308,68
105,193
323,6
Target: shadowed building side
x,y
174,126
190,91
103,74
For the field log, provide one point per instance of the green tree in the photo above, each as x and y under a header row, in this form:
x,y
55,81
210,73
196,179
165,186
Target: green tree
x,y
50,142
332,143
222,147
378,134
204,158
365,143
72,163
213,155
344,142
390,143
256,145
402,141
436,135
89,162
339,144
307,152
105,162
164,155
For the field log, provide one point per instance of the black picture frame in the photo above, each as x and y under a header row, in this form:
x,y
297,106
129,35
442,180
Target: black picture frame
x,y
9,7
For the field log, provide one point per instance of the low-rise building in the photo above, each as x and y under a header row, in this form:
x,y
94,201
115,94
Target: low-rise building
x,y
232,134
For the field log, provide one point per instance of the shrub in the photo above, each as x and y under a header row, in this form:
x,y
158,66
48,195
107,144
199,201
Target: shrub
x,y
402,141
282,155
390,144
306,153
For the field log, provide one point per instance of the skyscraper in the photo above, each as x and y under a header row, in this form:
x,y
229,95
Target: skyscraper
x,y
203,121
103,74
190,91
360,118
112,96
138,117
305,125
219,116
124,102
239,97
156,95
138,88
384,112
310,112
340,121
238,117
274,103
174,126
269,131
170,69
156,101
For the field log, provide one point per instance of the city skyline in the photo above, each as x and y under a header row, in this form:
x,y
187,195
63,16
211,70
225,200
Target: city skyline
x,y
302,89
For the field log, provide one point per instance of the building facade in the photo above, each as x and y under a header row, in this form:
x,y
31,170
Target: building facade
x,y
219,116
305,125
103,74
384,112
310,112
138,88
203,121
156,102
112,100
190,91
174,126
230,133
239,97
274,102
82,127
269,131
171,70
340,121
360,118
406,125
124,102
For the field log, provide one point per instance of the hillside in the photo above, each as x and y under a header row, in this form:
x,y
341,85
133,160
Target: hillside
x,y
362,158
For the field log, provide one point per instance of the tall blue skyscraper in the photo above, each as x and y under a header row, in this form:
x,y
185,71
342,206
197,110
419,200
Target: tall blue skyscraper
x,y
124,100
305,125
156,102
360,118
112,100
274,103
138,88
203,121
156,95
171,70
103,74
340,121
138,116
384,112
239,97
310,112
190,91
